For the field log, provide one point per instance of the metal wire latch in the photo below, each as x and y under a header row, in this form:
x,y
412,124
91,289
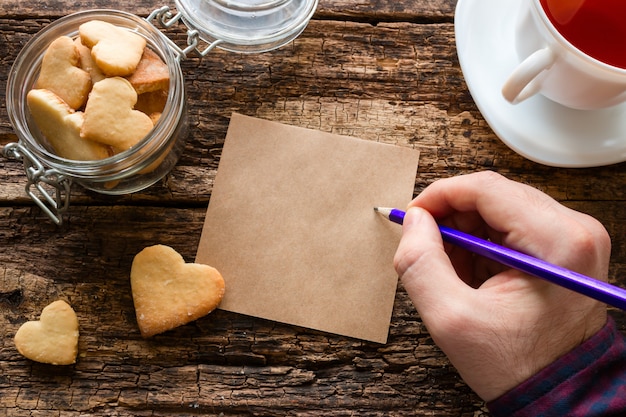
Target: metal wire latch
x,y
54,202
165,18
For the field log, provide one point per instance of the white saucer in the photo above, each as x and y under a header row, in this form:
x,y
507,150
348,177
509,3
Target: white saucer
x,y
537,128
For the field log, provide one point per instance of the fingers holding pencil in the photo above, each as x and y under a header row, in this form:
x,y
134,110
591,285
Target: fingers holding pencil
x,y
513,325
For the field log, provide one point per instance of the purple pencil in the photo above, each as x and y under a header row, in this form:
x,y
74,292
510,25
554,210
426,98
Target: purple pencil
x,y
591,287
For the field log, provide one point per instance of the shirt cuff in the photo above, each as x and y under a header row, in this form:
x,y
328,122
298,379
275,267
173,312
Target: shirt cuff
x,y
588,378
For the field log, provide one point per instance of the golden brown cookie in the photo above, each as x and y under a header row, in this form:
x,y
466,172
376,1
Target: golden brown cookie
x,y
61,126
168,292
151,74
115,50
61,75
152,102
87,63
110,117
53,338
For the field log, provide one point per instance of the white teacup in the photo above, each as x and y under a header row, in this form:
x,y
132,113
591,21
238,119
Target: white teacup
x,y
552,66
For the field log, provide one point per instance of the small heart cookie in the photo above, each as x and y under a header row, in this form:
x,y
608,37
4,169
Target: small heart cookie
x,y
62,126
61,75
53,339
110,117
115,50
167,292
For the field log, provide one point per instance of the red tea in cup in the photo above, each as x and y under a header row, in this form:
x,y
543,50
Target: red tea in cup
x,y
596,27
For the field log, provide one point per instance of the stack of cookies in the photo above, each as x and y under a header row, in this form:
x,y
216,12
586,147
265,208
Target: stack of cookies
x,y
99,94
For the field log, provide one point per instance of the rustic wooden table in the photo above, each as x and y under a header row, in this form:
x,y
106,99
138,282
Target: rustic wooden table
x,y
382,71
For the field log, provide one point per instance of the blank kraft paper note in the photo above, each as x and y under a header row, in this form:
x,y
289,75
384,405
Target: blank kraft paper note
x,y
291,226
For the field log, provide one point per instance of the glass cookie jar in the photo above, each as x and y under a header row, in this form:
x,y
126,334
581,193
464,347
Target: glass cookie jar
x,y
245,26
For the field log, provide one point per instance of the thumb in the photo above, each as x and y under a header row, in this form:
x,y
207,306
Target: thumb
x,y
423,265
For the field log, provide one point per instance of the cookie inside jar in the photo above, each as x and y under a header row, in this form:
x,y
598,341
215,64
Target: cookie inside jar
x,y
135,126
98,93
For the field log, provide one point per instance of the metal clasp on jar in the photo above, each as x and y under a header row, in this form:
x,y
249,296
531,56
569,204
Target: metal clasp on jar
x,y
55,201
49,187
165,18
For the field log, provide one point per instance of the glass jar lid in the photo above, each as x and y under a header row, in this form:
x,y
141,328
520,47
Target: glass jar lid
x,y
247,25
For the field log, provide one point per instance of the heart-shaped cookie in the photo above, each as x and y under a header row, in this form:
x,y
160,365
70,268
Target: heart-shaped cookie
x,y
62,126
61,75
110,117
168,292
115,50
53,339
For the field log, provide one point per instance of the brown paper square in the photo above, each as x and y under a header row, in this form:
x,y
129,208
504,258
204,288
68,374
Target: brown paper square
x,y
291,226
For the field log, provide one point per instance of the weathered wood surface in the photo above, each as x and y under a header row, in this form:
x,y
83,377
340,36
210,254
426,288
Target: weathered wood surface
x,y
382,71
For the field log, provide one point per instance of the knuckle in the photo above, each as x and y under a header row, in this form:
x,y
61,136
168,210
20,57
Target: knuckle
x,y
591,239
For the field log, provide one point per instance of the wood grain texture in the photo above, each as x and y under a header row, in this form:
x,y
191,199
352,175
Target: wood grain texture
x,y
384,71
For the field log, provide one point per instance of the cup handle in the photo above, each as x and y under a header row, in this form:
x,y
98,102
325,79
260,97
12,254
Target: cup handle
x,y
519,86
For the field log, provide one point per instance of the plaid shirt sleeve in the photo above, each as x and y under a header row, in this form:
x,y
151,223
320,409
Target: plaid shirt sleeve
x,y
588,381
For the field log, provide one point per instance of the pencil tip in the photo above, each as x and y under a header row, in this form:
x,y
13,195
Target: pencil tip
x,y
384,211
